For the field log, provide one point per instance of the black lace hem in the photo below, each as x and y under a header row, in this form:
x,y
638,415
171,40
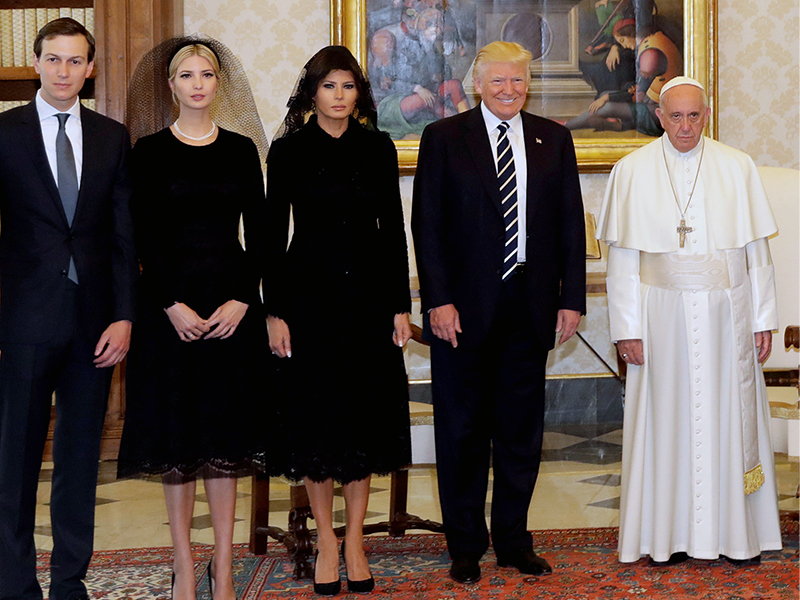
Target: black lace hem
x,y
354,466
198,469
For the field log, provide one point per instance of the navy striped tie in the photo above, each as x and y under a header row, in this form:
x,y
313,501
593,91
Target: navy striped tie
x,y
507,180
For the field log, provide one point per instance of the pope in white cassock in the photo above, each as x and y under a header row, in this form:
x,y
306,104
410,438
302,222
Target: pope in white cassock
x,y
692,305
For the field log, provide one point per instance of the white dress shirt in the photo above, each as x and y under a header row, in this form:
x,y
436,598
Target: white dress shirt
x,y
49,124
517,141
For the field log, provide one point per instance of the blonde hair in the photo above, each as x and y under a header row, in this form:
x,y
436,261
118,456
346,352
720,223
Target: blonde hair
x,y
185,52
502,52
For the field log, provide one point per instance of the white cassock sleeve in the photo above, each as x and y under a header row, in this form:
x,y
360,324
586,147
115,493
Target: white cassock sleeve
x,y
762,284
624,294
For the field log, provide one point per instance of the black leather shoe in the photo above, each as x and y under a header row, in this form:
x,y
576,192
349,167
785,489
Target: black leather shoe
x,y
674,559
210,577
465,570
526,561
330,588
359,586
744,562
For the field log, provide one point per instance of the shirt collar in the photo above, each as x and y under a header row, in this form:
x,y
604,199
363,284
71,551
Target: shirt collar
x,y
45,110
672,151
491,120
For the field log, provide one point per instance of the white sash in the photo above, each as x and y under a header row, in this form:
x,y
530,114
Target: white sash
x,y
722,270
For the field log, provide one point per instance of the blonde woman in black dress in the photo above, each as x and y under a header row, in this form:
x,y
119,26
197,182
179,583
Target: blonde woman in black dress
x,y
195,371
338,299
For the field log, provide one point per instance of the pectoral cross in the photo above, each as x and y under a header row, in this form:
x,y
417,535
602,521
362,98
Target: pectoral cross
x,y
683,230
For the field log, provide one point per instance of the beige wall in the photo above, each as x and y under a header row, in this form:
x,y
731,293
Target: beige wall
x,y
758,62
759,86
758,76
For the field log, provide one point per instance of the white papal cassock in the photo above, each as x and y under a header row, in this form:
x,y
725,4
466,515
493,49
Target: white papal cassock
x,y
696,426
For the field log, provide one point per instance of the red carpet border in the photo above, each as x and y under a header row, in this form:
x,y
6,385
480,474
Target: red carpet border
x,y
415,568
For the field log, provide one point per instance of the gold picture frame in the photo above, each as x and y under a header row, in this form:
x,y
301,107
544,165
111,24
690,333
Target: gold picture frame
x,y
349,28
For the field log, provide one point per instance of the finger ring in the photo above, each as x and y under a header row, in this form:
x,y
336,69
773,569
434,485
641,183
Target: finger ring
x,y
192,335
624,355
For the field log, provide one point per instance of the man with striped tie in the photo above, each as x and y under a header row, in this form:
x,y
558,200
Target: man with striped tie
x,y
500,244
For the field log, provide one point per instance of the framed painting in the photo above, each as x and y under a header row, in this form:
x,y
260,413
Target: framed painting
x,y
597,67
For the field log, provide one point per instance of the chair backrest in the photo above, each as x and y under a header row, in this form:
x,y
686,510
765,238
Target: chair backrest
x,y
783,190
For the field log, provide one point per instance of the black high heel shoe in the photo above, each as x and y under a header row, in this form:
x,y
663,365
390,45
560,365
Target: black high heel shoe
x,y
362,586
172,586
210,577
325,589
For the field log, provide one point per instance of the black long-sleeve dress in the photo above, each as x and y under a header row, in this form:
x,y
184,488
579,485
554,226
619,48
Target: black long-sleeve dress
x,y
344,391
193,404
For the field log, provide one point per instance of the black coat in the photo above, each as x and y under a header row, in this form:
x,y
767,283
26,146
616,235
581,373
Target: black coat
x,y
36,241
458,226
348,252
338,287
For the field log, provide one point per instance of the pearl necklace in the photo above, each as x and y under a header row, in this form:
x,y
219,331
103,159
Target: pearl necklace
x,y
197,139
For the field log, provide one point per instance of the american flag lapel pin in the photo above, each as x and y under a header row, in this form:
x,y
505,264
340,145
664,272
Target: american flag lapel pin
x,y
538,141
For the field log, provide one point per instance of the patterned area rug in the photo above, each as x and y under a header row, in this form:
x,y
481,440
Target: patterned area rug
x,y
415,567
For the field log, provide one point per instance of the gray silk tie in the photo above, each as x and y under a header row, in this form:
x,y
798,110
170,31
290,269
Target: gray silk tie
x,y
67,179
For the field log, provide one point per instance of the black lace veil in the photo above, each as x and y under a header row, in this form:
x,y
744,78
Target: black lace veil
x,y
151,108
301,102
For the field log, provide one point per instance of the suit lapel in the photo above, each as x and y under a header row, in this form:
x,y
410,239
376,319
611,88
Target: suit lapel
x,y
34,144
480,148
534,158
91,156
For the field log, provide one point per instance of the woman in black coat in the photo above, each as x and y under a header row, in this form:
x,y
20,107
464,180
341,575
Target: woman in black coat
x,y
339,294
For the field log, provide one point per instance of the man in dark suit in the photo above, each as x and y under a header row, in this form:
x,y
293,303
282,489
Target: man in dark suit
x,y
67,272
500,244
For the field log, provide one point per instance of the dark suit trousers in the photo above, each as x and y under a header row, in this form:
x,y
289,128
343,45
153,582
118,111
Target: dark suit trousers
x,y
29,374
488,401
